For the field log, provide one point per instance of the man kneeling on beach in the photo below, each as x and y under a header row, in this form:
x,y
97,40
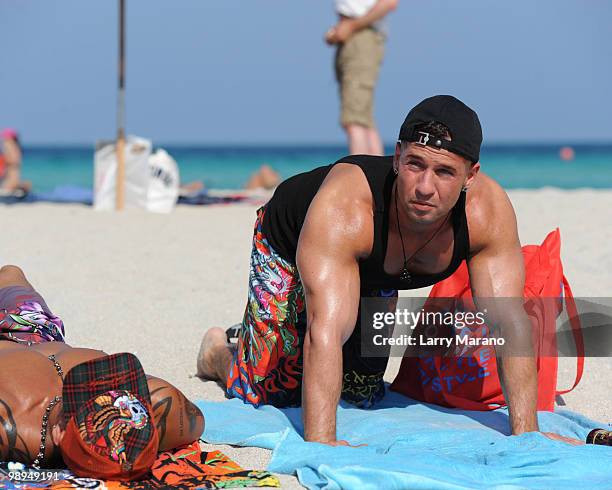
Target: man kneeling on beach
x,y
368,226
98,413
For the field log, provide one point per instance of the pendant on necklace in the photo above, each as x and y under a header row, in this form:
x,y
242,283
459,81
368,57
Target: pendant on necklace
x,y
405,274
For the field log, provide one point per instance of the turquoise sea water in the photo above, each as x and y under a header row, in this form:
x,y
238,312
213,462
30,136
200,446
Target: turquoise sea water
x,y
229,167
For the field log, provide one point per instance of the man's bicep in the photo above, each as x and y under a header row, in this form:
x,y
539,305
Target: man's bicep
x,y
496,267
329,272
497,273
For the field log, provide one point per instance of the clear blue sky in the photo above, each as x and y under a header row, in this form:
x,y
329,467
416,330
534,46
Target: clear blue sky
x,y
248,71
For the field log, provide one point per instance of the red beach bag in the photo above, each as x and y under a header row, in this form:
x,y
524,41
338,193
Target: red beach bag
x,y
471,382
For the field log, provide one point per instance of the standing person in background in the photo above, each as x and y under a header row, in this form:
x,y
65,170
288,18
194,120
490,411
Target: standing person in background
x,y
10,166
360,38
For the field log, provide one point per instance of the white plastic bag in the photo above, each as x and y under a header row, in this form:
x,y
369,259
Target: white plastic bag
x,y
163,187
137,152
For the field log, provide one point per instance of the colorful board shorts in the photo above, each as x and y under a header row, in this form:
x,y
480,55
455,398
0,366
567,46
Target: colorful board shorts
x,y
267,365
357,64
26,318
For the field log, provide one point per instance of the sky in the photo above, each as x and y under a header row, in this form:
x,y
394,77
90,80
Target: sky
x,y
258,71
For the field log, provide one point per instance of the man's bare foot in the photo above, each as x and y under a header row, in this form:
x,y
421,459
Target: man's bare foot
x,y
214,356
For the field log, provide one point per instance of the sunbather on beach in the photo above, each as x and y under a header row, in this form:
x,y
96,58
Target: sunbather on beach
x,y
34,361
369,226
265,178
10,166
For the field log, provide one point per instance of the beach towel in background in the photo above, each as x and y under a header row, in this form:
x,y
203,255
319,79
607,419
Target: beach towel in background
x,y
82,195
417,446
186,467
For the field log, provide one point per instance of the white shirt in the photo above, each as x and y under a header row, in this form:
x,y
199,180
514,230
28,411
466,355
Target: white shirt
x,y
354,8
358,8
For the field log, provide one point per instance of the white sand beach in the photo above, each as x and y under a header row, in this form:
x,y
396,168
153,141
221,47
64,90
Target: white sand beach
x,y
152,284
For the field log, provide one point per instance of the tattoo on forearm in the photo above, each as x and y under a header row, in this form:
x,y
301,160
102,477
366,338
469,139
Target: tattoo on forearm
x,y
160,411
10,438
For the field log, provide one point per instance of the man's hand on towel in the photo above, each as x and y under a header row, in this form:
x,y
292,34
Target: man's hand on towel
x,y
557,437
343,443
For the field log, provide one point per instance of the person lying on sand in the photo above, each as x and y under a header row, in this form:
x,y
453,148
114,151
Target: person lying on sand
x,y
265,178
191,188
35,364
369,226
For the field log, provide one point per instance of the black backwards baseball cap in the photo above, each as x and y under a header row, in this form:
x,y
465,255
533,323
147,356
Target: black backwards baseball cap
x,y
462,122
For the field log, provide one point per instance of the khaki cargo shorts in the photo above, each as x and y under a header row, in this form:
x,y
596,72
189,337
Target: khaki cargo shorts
x,y
357,64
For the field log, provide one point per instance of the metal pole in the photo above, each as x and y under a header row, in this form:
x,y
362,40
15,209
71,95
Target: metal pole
x,y
120,148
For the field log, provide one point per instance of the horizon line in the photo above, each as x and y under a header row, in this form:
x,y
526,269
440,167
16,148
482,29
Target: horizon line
x,y
314,144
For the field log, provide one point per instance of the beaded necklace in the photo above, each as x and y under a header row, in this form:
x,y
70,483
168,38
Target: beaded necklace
x,y
45,418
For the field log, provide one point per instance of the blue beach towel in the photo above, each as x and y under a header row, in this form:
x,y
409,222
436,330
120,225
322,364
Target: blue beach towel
x,y
60,194
84,195
418,446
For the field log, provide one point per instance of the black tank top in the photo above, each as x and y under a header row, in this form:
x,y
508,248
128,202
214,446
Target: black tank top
x,y
286,211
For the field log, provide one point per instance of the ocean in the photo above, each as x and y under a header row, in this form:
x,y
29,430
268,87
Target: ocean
x,y
229,167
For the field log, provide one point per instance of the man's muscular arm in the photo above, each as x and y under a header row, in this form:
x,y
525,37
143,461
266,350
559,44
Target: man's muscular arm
x,y
178,421
496,271
333,237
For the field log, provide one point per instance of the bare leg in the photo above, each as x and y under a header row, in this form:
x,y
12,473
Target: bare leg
x,y
215,356
374,143
11,275
266,177
357,139
191,188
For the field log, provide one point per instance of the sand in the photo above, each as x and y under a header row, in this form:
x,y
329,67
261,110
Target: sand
x,y
152,284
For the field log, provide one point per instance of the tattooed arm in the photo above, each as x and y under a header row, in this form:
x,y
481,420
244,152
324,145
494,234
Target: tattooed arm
x,y
178,420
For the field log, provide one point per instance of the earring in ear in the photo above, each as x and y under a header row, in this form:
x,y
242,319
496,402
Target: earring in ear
x,y
395,171
464,188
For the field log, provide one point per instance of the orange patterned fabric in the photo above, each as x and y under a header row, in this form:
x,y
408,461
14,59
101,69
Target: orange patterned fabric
x,y
189,467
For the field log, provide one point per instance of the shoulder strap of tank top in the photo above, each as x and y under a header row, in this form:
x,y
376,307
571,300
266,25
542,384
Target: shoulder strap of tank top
x,y
460,227
377,170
